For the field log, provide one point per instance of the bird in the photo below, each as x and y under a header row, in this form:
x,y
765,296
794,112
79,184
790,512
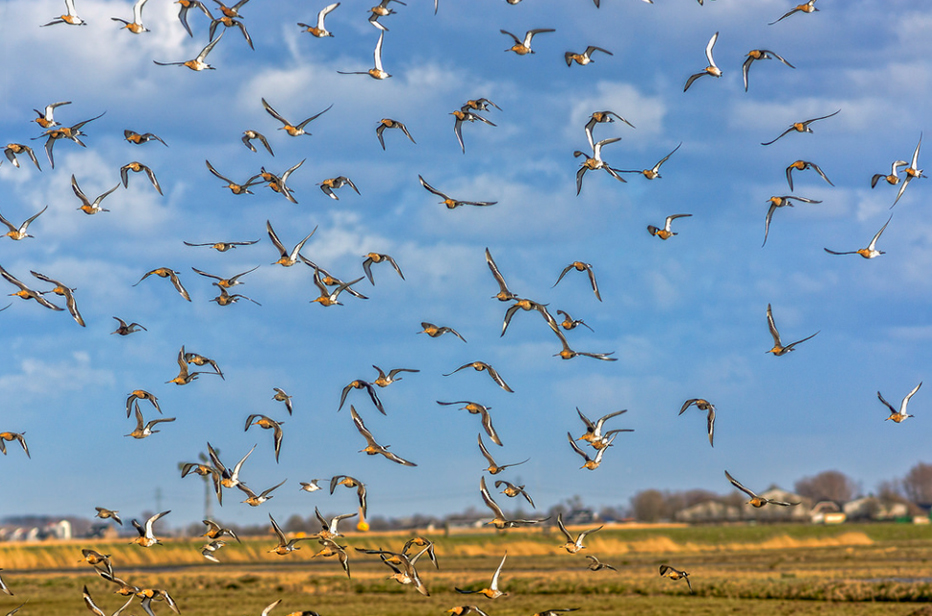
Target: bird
x,y
87,206
281,396
372,448
894,178
287,258
89,602
65,291
164,272
19,233
780,201
896,415
438,330
912,171
579,266
331,298
254,500
320,30
184,376
377,72
464,610
385,123
760,54
871,251
249,135
200,360
223,246
294,130
145,429
583,58
463,115
675,574
492,591
68,132
125,330
523,47
13,436
141,394
756,501
594,435
284,545
332,548
375,257
228,22
511,490
778,347
310,486
46,117
800,127
139,139
112,514
329,530
225,283
381,10
703,405
277,183
384,380
231,11
483,411
225,298
138,167
595,162
198,63
224,477
421,542
591,463
525,304
236,189
500,521
573,545
12,149
665,233
450,202
268,423
503,294
146,536
600,117
187,5
802,165
596,565
567,353
27,293
215,531
208,549
95,559
808,7
360,384
480,366
70,17
569,322
493,468
654,172
331,184
711,69
4,588
350,482
134,26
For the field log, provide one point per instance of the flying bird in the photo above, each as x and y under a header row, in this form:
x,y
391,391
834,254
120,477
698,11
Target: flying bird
x,y
27,293
146,536
523,47
139,139
464,115
583,58
802,165
281,396
236,189
198,63
46,117
896,415
375,257
19,233
134,26
808,7
124,330
360,384
66,292
13,436
912,171
781,201
287,258
480,366
385,380
801,127
331,184
871,251
143,429
385,123
760,54
450,202
573,546
666,233
601,117
712,69
654,172
377,72
503,294
778,347
579,266
372,448
164,272
70,17
675,574
493,468
591,463
708,407
138,167
292,129
12,149
483,411
492,591
187,5
320,31
253,499
756,501
223,246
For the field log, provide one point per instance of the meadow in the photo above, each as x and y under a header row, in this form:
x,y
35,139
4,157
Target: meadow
x,y
786,569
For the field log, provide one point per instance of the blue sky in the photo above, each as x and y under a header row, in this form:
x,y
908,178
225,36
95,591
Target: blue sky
x,y
685,317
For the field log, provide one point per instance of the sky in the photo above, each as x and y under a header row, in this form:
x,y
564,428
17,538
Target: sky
x,y
685,318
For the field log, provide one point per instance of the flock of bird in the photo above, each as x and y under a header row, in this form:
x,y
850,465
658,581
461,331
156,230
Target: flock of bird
x,y
597,439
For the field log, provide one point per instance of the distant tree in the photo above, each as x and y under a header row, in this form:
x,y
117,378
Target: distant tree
x,y
827,485
917,485
890,491
648,505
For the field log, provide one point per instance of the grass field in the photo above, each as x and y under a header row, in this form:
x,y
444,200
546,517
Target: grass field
x,y
852,569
